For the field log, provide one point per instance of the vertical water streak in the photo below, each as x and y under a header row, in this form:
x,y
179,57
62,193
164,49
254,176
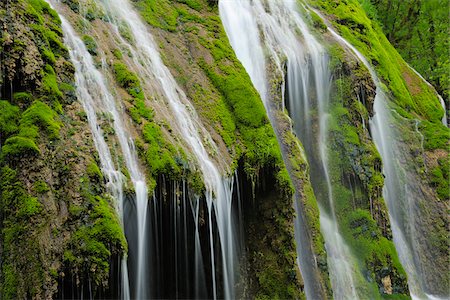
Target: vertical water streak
x,y
94,94
397,193
150,67
272,27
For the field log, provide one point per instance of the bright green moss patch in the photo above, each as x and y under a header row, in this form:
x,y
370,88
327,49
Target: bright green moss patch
x,y
39,116
440,179
23,98
16,147
90,44
128,80
159,13
9,119
90,246
93,171
436,136
194,4
160,155
50,84
376,252
367,36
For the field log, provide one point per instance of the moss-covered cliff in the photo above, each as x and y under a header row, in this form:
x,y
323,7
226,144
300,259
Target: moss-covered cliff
x,y
60,230
419,130
57,221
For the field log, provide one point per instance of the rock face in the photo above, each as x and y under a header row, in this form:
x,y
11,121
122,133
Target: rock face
x,y
50,182
61,235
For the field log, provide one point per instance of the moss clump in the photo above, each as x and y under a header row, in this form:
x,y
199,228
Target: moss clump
x,y
9,119
160,13
440,179
93,171
39,116
41,187
16,147
90,44
128,80
50,85
435,135
93,244
160,155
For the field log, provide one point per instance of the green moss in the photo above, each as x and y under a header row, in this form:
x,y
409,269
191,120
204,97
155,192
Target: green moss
x,y
159,13
50,84
90,245
436,136
439,178
128,80
412,95
17,147
41,187
90,43
93,171
23,98
318,22
118,54
9,119
39,116
160,155
194,4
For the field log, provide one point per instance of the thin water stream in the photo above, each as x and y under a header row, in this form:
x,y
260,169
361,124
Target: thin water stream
x,y
399,192
218,189
94,93
276,33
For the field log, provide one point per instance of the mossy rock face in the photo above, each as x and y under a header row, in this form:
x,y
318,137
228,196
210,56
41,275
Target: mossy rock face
x,y
44,154
421,139
194,45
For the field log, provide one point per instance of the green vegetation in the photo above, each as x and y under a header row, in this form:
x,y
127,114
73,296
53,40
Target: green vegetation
x,y
39,78
92,244
354,25
9,119
440,178
39,116
419,31
161,156
19,210
159,153
90,43
159,13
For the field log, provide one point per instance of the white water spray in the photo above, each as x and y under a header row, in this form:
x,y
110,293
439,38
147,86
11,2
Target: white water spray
x,y
218,190
397,193
278,23
95,96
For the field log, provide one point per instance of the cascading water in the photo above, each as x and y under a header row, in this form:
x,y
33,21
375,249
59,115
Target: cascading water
x,y
150,67
89,99
95,96
400,190
308,85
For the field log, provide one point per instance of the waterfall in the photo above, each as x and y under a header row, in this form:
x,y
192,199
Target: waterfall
x,y
308,84
150,68
94,93
400,194
90,92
